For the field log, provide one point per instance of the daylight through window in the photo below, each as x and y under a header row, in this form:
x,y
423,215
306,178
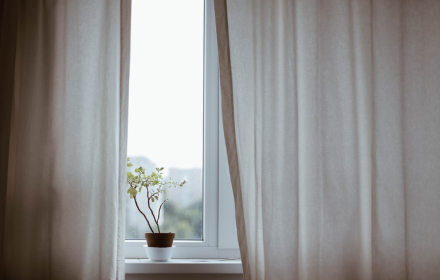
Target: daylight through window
x,y
165,126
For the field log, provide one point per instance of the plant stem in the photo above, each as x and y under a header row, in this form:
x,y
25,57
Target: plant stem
x,y
143,214
151,210
158,215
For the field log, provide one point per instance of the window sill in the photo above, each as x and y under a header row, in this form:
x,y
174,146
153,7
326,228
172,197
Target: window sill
x,y
206,266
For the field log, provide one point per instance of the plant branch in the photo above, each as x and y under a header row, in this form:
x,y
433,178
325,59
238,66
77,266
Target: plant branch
x,y
151,210
152,195
143,214
158,215
156,181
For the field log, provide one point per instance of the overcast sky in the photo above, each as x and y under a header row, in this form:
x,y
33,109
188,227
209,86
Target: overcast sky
x,y
166,82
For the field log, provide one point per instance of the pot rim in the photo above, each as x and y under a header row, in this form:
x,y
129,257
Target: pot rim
x,y
160,233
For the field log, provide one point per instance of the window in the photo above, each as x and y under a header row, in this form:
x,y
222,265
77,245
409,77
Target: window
x,y
175,122
166,111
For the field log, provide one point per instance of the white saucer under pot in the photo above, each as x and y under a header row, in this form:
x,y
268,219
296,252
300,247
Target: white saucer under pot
x,y
159,254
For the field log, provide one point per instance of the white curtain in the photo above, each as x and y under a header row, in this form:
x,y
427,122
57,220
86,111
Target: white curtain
x,y
64,86
331,114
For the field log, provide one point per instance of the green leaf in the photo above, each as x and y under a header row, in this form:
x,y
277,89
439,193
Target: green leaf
x,y
156,197
130,175
152,199
140,188
131,196
136,170
129,164
132,191
128,159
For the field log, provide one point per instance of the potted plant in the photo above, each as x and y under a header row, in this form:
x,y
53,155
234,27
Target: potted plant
x,y
154,185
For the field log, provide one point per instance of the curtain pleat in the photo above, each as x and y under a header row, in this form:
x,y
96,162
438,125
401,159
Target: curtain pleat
x,y
332,115
229,125
66,97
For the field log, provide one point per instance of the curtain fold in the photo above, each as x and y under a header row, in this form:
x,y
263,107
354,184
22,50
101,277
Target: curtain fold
x,y
229,125
64,99
332,117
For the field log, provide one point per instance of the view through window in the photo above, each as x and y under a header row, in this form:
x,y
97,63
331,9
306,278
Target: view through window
x,y
165,127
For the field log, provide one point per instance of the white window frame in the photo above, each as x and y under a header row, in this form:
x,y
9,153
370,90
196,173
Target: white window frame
x,y
219,230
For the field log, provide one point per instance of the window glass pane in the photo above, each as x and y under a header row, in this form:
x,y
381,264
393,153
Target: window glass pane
x,y
166,111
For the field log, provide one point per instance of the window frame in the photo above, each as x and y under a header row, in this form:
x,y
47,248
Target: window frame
x,y
218,208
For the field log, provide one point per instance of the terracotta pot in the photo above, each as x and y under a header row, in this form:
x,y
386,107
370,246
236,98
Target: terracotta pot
x,y
160,239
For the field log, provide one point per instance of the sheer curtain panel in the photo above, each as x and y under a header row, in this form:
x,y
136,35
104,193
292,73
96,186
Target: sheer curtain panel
x,y
331,113
64,93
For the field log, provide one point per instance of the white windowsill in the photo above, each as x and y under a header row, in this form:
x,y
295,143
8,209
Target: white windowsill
x,y
217,266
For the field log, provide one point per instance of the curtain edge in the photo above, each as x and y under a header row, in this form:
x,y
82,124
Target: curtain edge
x,y
9,103
125,28
221,18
